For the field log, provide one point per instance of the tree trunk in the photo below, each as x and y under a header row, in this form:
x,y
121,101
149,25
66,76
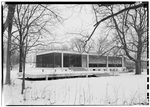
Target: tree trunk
x,y
23,79
138,67
11,10
23,66
8,58
24,62
21,56
139,52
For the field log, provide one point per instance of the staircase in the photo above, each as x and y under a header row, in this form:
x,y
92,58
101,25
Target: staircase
x,y
77,69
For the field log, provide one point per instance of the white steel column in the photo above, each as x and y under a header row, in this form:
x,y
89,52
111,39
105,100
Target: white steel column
x,y
62,60
87,61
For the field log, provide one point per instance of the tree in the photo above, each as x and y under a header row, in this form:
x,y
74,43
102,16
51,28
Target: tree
x,y
104,46
14,52
133,5
77,44
65,47
8,24
24,20
132,34
112,15
31,20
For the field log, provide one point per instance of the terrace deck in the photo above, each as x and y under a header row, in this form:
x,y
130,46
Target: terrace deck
x,y
63,74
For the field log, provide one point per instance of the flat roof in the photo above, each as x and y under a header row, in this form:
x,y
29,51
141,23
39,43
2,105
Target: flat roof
x,y
70,52
59,51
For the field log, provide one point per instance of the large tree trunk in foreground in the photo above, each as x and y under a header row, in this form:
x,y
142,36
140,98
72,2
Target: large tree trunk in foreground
x,y
8,62
11,10
138,67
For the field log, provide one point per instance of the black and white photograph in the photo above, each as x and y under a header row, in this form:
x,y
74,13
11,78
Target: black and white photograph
x,y
75,53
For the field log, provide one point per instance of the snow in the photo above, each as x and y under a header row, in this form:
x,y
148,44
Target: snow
x,y
124,89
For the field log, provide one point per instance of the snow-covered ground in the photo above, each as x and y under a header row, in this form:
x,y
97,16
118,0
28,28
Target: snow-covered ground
x,y
125,89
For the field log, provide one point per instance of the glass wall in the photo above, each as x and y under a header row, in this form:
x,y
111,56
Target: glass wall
x,y
49,60
114,61
97,61
57,59
101,61
72,60
76,60
39,60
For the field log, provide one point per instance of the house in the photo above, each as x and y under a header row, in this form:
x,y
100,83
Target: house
x,y
67,60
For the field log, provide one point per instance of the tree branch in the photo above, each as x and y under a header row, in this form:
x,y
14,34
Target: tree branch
x,y
129,8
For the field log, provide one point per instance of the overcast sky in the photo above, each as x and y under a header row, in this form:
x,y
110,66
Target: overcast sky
x,y
76,19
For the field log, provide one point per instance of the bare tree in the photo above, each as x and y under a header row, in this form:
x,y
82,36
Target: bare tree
x,y
13,50
90,47
104,46
133,5
126,27
77,45
8,24
31,22
132,34
65,47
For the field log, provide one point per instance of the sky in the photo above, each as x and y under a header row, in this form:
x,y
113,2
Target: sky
x,y
77,19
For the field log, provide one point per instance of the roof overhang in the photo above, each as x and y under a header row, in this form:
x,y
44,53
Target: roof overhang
x,y
69,52
55,51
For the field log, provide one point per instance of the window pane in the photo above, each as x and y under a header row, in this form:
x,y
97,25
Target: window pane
x,y
114,61
115,65
97,59
78,61
72,60
46,60
57,59
38,61
101,65
92,65
66,60
49,60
